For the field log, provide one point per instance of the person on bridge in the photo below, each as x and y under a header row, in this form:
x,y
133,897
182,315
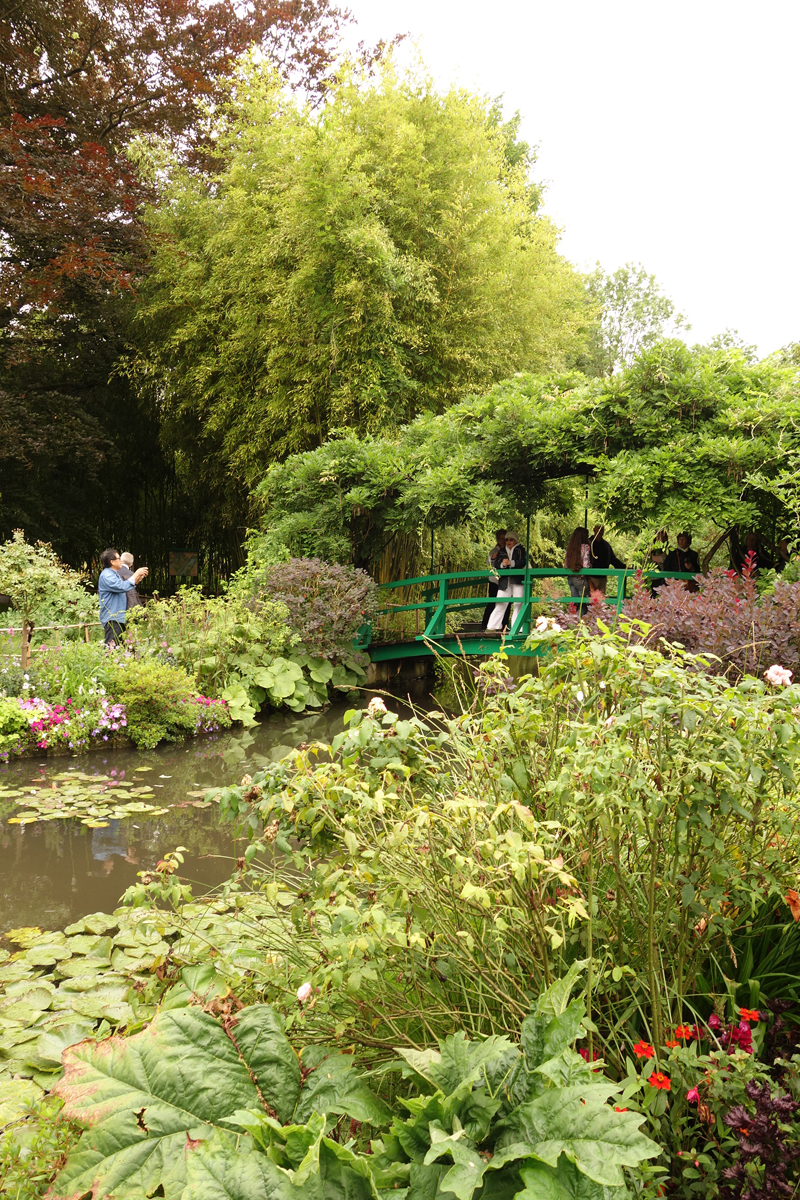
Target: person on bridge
x,y
578,557
494,559
511,586
602,558
682,558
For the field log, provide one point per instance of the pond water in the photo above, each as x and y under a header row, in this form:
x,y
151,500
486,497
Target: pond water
x,y
53,872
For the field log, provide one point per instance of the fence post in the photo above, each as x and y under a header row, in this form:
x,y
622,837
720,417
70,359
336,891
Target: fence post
x,y
86,633
24,649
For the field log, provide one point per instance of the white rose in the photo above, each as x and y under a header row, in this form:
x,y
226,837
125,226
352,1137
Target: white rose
x,y
778,676
304,991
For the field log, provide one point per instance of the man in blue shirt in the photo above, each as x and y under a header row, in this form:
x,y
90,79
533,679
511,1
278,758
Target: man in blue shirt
x,y
112,592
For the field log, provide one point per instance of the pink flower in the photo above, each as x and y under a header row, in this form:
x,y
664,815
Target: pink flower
x,y
693,1095
778,676
304,991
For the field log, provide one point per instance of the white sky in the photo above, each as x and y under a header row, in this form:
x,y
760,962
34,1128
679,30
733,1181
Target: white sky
x,y
667,135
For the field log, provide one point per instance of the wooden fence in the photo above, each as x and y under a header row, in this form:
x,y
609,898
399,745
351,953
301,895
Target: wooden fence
x,y
27,631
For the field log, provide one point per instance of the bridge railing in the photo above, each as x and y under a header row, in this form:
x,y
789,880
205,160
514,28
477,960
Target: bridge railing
x,y
430,614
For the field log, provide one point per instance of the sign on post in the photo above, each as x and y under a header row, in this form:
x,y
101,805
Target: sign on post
x,y
183,563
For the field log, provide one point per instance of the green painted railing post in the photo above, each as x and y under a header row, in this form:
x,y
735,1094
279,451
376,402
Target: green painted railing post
x,y
621,578
441,624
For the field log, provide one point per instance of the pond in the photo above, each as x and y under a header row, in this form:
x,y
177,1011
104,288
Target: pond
x,y
53,872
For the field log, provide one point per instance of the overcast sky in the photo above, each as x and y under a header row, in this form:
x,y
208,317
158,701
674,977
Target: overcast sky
x,y
667,134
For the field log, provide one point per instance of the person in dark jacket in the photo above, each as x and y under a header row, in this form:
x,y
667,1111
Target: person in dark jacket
x,y
496,556
683,558
511,586
126,572
602,558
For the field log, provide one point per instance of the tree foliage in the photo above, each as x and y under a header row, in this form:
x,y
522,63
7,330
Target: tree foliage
x,y
348,268
78,82
678,439
634,314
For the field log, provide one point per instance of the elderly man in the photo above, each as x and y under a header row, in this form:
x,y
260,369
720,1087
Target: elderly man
x,y
125,572
112,592
511,586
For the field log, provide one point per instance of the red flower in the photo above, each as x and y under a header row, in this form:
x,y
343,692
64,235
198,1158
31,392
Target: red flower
x,y
643,1050
749,1014
659,1080
618,1109
670,1045
683,1031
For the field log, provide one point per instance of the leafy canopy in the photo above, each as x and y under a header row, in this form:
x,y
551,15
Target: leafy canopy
x,y
679,438
348,268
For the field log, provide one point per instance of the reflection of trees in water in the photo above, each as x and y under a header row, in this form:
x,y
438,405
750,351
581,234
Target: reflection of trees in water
x,y
48,874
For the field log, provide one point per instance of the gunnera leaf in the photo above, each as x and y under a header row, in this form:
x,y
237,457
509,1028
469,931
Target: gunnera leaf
x,y
145,1098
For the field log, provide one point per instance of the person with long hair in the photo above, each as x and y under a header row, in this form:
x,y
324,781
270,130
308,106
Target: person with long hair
x,y
578,557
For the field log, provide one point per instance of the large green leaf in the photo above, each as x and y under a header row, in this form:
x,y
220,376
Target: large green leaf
x,y
144,1097
564,1183
573,1121
316,1169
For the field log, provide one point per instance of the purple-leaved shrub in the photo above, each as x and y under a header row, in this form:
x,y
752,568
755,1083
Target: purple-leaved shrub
x,y
727,618
327,602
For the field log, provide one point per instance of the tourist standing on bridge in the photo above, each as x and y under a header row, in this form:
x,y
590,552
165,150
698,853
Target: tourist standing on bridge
x,y
496,556
578,557
511,586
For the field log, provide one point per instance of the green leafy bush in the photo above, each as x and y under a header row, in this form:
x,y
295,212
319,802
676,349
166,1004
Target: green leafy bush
x,y
41,587
618,806
13,723
158,699
484,1118
239,648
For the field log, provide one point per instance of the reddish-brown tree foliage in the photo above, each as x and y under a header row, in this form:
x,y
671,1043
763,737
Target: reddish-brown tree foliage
x,y
77,80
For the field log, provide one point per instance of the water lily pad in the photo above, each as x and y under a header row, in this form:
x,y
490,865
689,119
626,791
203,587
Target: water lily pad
x,y
88,983
16,1095
12,971
98,922
47,956
52,1045
86,965
25,936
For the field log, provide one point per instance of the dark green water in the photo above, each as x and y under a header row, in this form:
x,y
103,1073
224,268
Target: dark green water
x,y
52,873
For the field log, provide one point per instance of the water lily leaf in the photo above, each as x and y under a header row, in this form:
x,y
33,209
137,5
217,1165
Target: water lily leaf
x,y
52,1045
83,966
22,1006
47,956
88,983
10,972
141,1096
15,1097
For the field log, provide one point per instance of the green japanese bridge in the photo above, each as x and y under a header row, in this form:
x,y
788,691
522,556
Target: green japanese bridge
x,y
418,627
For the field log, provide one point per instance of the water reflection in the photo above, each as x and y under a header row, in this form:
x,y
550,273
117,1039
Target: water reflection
x,y
53,872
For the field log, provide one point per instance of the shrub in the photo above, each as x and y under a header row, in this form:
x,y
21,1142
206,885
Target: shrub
x,y
327,603
740,630
618,806
240,650
13,724
41,587
159,701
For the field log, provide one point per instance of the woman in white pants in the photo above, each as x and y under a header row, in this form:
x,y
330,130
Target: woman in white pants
x,y
513,586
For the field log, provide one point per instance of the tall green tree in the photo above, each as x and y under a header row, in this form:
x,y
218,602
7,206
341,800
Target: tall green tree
x,y
351,267
634,314
80,461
